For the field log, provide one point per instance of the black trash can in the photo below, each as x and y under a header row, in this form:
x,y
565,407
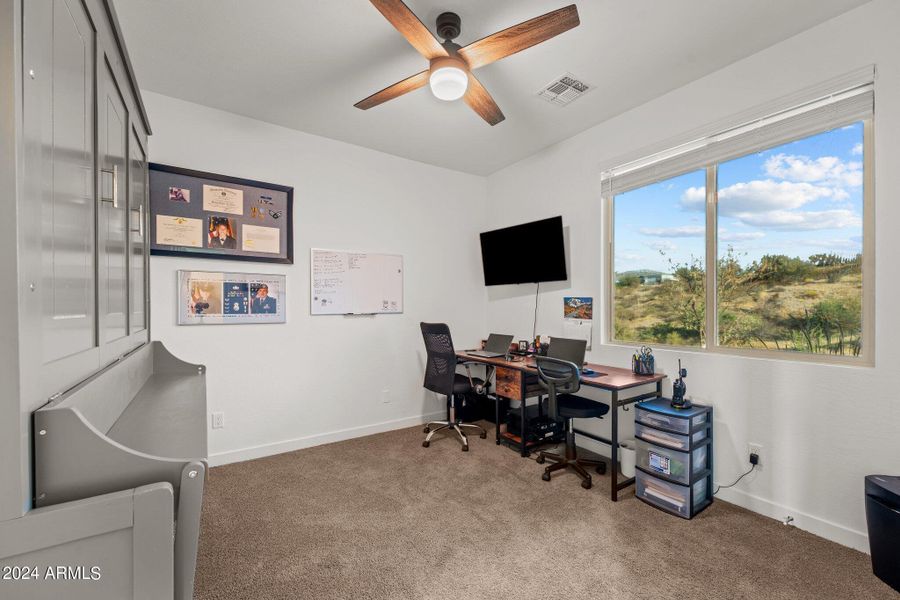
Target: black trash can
x,y
883,519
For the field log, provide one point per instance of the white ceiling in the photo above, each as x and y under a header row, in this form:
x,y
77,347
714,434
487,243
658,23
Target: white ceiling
x,y
304,63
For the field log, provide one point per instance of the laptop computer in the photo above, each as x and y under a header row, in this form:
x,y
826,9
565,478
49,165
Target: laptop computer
x,y
497,345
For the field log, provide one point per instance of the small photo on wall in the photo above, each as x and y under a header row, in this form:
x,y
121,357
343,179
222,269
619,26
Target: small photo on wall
x,y
205,297
222,233
237,299
177,194
263,302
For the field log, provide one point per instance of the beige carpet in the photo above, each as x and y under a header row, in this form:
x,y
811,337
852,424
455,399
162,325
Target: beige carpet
x,y
381,517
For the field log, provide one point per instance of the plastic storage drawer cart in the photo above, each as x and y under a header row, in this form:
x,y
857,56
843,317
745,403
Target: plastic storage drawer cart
x,y
674,456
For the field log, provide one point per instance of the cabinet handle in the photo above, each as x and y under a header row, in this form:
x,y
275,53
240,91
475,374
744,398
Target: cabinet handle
x,y
115,186
140,211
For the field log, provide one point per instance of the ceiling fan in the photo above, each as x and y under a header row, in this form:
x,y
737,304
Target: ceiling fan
x,y
450,70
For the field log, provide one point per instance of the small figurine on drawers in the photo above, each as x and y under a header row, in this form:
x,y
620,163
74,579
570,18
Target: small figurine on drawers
x,y
679,388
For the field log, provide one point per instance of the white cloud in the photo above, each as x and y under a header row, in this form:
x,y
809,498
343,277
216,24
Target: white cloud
x,y
845,244
857,149
663,246
786,220
765,195
739,236
694,198
829,170
675,232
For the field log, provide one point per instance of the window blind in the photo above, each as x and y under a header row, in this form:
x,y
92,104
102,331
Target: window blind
x,y
824,113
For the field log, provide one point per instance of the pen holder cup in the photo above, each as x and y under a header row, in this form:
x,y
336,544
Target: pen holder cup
x,y
643,365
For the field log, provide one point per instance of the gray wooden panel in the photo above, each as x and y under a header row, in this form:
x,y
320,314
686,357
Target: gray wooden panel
x,y
166,417
112,213
154,543
102,398
126,536
137,225
15,488
67,204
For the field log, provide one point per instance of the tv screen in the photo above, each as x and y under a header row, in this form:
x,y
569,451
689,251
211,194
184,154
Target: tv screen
x,y
527,253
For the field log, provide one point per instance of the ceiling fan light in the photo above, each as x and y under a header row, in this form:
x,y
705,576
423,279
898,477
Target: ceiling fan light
x,y
448,83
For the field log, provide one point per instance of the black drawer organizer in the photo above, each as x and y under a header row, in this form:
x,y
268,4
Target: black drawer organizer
x,y
674,456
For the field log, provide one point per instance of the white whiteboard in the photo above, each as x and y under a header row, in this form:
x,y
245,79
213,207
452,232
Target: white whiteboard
x,y
355,283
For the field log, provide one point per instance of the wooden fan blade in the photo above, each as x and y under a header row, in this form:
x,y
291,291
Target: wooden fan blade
x,y
410,27
519,37
394,91
481,102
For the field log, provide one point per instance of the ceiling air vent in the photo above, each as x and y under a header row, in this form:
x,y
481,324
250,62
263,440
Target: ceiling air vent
x,y
564,90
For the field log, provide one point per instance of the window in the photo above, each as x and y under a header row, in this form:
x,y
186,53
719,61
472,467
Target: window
x,y
790,229
660,263
754,241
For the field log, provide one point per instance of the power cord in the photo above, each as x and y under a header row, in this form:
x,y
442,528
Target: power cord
x,y
736,481
534,322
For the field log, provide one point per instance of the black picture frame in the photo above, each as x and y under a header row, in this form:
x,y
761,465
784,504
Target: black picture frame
x,y
286,257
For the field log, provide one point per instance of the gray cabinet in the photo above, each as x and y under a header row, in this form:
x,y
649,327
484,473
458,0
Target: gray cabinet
x,y
73,194
138,205
112,213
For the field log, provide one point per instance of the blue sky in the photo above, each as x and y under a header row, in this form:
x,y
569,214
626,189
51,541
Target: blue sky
x,y
799,199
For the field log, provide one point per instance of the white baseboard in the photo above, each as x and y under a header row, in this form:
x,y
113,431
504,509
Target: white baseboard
x,y
845,536
233,456
857,540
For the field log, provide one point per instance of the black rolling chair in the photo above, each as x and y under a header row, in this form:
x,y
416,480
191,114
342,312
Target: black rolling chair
x,y
441,377
562,379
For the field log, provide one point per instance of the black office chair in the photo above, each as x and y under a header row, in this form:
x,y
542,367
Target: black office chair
x,y
562,379
441,377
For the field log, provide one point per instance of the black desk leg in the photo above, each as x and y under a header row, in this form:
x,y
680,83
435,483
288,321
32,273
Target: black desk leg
x,y
497,419
524,395
614,447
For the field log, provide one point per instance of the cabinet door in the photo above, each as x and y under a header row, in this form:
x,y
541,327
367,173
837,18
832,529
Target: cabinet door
x,y
137,210
112,215
57,254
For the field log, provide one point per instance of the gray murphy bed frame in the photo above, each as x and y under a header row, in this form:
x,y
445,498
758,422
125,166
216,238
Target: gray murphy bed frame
x,y
124,451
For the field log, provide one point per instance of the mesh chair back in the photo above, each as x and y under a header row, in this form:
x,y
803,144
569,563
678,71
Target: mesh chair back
x,y
557,376
440,368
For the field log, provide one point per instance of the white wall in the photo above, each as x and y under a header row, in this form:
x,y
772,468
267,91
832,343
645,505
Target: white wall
x,y
822,427
319,379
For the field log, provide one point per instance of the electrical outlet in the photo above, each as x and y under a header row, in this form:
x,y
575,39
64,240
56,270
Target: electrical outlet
x,y
756,449
386,396
218,420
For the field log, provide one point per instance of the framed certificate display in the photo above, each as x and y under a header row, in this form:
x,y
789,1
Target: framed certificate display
x,y
193,213
216,298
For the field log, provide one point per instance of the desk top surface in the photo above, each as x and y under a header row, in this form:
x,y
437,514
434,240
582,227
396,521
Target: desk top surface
x,y
606,377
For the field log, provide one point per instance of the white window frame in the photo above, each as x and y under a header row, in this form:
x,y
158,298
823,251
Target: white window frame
x,y
866,357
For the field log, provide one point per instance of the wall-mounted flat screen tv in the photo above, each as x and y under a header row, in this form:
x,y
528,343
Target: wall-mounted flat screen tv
x,y
527,253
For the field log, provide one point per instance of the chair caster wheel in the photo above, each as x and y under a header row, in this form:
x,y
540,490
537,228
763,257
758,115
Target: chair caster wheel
x,y
586,484
545,476
601,468
539,460
427,429
465,448
426,444
483,435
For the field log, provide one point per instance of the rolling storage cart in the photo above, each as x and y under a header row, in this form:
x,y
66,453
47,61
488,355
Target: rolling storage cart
x,y
674,456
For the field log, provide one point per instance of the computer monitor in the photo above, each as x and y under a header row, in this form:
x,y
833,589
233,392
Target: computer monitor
x,y
567,349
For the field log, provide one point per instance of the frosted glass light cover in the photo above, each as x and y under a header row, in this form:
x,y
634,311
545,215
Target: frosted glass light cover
x,y
448,83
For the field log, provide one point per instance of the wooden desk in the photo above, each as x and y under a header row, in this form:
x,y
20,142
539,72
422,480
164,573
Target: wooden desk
x,y
511,384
